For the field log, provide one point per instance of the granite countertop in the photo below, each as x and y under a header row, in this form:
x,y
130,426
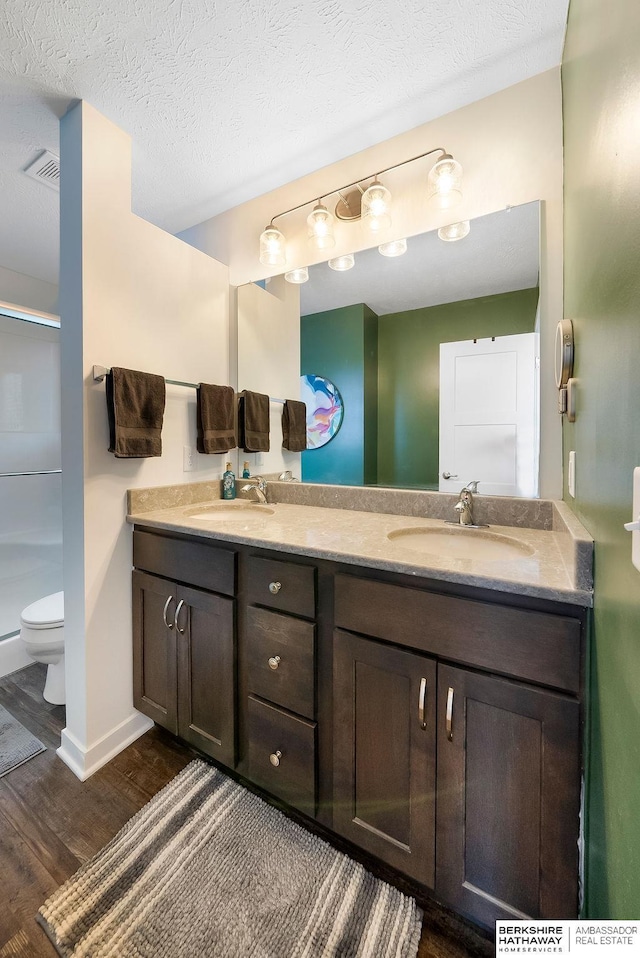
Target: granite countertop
x,y
558,567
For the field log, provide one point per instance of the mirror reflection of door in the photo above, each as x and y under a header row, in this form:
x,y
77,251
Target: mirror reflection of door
x,y
489,423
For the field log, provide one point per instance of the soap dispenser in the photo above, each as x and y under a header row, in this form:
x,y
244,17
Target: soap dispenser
x,y
245,472
228,483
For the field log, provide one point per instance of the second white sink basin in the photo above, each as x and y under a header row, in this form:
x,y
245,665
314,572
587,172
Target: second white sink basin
x,y
234,509
457,543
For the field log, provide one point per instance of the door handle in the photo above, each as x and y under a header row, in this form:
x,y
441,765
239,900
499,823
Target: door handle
x,y
449,716
177,615
449,475
421,703
168,624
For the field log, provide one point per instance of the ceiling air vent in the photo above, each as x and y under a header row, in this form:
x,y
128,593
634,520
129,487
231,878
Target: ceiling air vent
x,y
46,169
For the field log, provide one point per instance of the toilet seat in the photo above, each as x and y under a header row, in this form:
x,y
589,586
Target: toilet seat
x,y
46,613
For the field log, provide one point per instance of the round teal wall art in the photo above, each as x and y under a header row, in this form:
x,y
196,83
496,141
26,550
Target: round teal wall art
x,y
325,409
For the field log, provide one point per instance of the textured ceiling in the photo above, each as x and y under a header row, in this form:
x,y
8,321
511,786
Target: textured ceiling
x,y
225,101
499,255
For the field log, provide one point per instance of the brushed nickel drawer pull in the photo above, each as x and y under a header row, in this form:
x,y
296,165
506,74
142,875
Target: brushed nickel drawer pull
x,y
449,717
275,757
274,587
168,624
421,700
177,615
274,662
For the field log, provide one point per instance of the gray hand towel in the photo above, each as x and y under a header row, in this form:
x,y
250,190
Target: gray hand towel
x,y
253,422
135,408
294,425
216,413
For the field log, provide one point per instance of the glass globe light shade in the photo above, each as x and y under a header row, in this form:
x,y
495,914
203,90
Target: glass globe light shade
x,y
297,276
376,202
320,223
455,231
272,251
444,184
395,248
342,263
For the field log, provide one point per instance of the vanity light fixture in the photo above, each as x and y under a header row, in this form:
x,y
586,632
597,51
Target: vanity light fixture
x,y
371,205
376,201
445,183
320,223
272,252
342,263
455,231
395,248
297,276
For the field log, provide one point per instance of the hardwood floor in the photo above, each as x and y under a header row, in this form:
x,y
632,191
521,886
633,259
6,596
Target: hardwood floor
x,y
50,823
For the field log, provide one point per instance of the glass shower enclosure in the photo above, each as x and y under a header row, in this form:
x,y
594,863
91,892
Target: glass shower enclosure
x,y
30,468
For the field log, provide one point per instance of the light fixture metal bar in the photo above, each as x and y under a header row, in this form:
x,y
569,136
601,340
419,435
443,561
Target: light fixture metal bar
x,y
348,186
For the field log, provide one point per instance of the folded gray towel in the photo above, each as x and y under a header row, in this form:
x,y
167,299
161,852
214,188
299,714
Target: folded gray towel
x,y
216,414
135,408
294,425
253,422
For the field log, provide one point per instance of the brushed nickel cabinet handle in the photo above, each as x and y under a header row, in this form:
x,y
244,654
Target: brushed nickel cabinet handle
x,y
274,662
422,721
168,624
274,587
275,757
449,716
176,616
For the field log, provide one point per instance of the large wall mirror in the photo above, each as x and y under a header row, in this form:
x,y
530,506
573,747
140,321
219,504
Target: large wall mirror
x,y
377,332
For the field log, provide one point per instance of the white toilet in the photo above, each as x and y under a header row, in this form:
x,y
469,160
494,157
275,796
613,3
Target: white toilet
x,y
42,631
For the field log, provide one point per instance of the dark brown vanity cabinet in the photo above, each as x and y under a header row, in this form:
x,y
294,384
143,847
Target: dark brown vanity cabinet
x,y
384,752
278,655
465,780
436,727
508,777
184,646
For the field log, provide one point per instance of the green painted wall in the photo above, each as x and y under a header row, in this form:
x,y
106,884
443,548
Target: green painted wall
x,y
601,84
341,345
409,376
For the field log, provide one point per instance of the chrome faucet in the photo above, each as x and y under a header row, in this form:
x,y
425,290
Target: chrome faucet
x,y
464,505
257,490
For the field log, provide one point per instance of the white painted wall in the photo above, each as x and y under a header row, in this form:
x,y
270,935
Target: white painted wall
x,y
510,146
131,295
27,291
269,361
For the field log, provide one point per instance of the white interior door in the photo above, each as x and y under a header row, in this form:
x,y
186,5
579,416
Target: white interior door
x,y
489,415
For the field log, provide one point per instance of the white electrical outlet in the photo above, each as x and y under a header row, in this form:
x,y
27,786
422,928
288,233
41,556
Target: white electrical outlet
x,y
634,526
187,458
259,459
571,477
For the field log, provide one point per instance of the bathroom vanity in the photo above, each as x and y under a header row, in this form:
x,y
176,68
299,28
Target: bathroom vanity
x,y
425,711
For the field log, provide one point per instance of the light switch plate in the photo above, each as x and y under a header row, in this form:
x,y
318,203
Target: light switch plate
x,y
571,477
635,536
187,458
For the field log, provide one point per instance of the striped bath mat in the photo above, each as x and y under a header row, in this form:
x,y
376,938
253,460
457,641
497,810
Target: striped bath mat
x,y
207,869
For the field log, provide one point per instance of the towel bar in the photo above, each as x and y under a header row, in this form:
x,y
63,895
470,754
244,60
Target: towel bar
x,y
99,372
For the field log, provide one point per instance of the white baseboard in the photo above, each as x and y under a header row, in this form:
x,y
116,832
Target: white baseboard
x,y
83,762
13,655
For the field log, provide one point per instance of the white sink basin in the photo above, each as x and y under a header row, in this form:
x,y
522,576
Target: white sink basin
x,y
234,510
456,543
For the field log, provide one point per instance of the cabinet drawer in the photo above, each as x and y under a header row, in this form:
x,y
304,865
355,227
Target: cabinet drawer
x,y
535,646
272,731
286,586
280,660
186,560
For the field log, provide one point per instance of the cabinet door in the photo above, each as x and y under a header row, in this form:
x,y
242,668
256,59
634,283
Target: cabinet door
x,y
508,798
384,752
206,673
154,649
